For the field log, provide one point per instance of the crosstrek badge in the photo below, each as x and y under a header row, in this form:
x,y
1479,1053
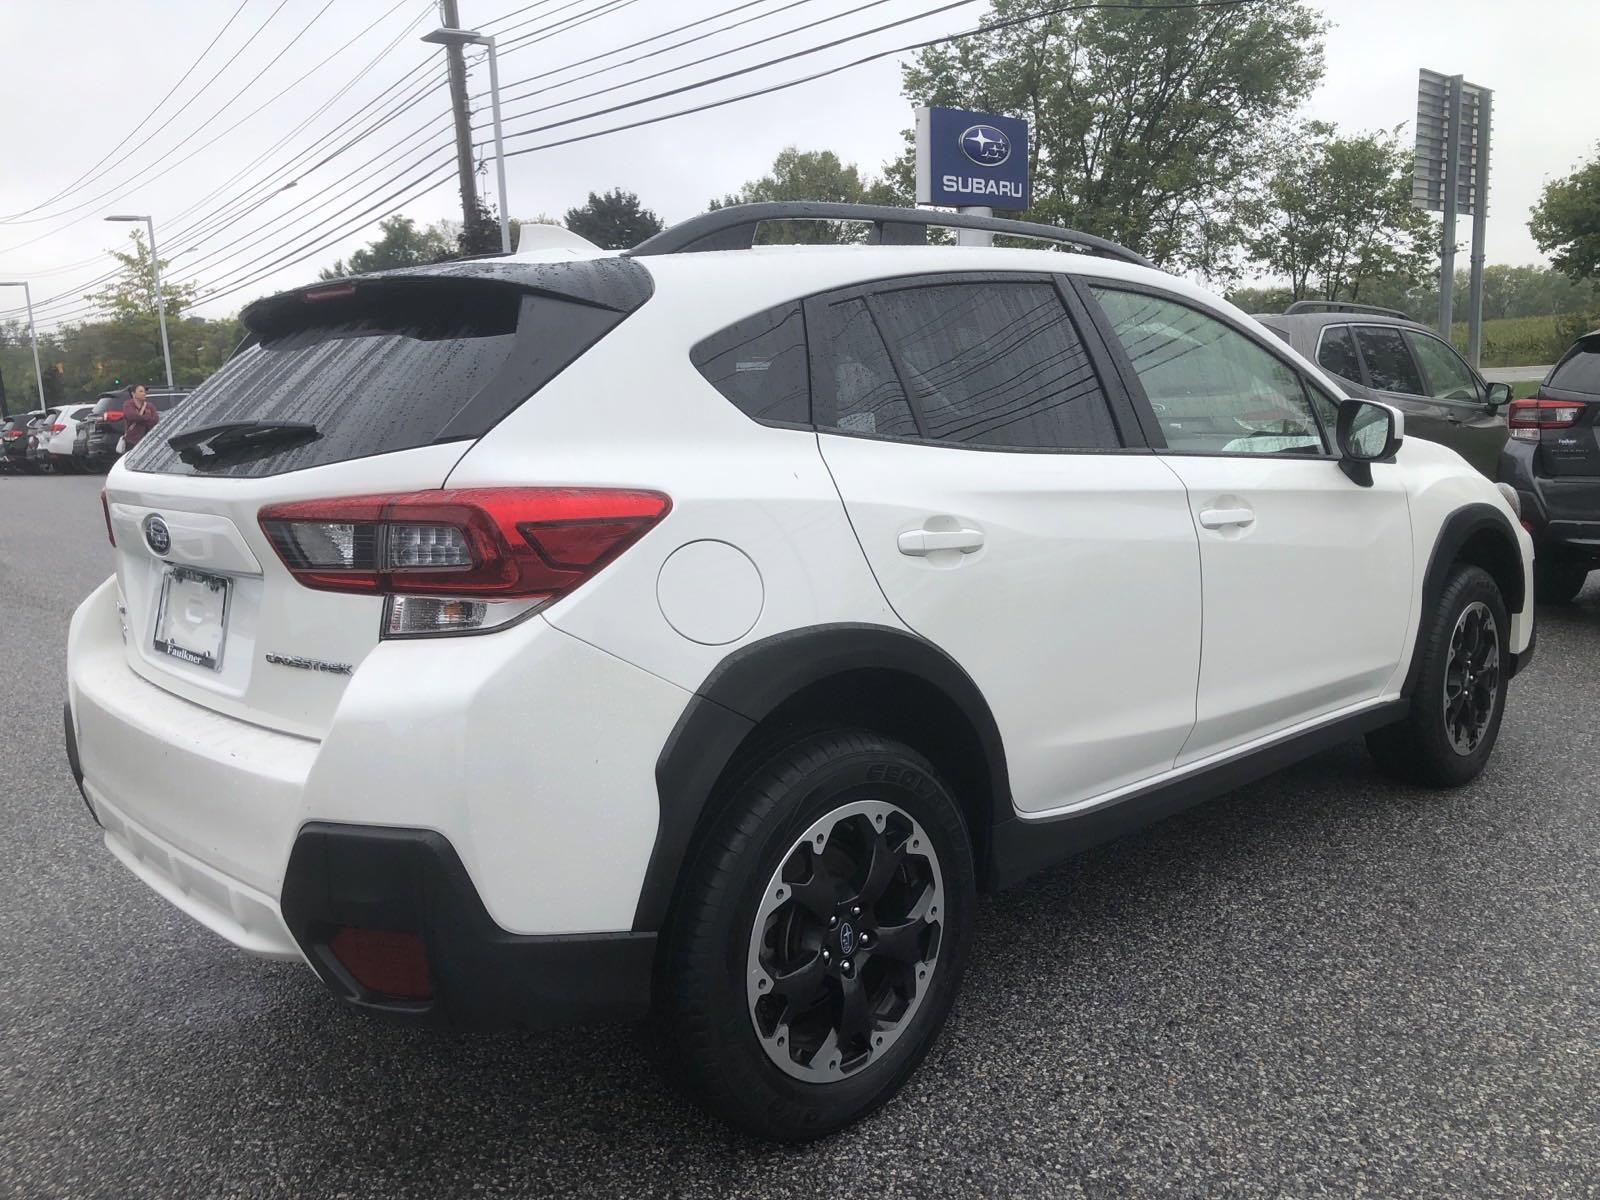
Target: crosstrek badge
x,y
971,159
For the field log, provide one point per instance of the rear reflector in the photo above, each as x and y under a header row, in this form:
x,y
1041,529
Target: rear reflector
x,y
481,545
390,964
105,507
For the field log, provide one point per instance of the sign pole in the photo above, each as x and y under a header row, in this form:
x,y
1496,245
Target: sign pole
x,y
975,237
1447,237
1480,214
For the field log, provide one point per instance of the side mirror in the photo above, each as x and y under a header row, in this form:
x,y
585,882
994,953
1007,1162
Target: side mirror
x,y
1368,432
1497,395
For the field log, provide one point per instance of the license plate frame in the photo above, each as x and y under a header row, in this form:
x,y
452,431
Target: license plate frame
x,y
215,592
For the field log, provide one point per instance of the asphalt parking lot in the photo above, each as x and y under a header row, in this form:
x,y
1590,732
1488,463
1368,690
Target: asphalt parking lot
x,y
1321,985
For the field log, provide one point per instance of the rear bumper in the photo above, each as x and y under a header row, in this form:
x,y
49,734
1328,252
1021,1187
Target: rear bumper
x,y
1562,515
504,787
481,977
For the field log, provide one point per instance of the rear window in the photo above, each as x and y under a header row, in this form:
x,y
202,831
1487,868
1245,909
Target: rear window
x,y
1390,367
385,366
1580,370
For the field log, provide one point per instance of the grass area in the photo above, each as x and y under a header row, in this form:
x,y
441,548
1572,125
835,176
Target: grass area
x,y
1523,388
1522,341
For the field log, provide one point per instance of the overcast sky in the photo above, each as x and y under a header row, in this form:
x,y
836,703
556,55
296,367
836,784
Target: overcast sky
x,y
76,76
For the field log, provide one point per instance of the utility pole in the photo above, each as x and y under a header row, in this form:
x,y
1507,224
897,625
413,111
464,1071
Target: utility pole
x,y
465,167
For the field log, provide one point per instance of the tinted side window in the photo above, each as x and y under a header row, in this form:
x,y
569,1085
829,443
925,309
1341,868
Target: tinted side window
x,y
1389,364
1448,377
867,394
1580,370
1337,353
1213,390
997,364
759,365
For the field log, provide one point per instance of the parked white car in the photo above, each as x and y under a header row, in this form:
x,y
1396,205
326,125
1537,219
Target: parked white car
x,y
63,431
548,637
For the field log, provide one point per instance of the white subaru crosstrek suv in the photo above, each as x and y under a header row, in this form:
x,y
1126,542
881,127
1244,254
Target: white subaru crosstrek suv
x,y
699,629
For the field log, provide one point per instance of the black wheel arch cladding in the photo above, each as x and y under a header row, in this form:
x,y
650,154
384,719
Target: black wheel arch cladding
x,y
756,682
1479,529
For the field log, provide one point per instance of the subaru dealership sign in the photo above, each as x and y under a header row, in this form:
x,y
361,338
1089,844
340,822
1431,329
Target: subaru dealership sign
x,y
971,159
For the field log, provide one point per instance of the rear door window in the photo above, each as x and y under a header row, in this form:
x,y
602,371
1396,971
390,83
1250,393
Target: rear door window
x,y
759,365
1390,367
379,368
867,396
1337,353
997,364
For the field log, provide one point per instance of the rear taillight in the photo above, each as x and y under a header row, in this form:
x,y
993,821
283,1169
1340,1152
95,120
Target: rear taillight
x,y
1527,417
57,428
13,434
105,507
461,560
114,415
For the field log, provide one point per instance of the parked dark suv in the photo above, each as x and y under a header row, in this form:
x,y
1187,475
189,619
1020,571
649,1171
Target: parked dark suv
x,y
1384,355
16,437
100,432
1553,460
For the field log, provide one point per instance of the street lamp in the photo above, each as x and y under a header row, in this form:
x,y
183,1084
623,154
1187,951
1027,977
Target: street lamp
x,y
161,304
33,332
469,37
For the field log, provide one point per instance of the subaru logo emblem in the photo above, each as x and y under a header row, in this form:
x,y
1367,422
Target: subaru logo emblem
x,y
847,938
157,536
986,145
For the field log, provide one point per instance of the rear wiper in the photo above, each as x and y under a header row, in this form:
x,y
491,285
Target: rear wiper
x,y
210,441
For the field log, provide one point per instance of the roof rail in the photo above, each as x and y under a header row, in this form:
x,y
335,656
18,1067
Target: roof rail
x,y
734,228
1300,306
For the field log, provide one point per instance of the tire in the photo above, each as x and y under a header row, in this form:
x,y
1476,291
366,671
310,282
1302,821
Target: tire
x,y
751,916
1449,734
1558,583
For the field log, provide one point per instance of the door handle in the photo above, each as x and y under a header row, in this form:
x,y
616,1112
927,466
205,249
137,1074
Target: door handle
x,y
919,543
1221,518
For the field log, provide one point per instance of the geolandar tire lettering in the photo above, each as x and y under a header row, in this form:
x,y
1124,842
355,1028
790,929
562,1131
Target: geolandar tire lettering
x,y
820,936
1460,692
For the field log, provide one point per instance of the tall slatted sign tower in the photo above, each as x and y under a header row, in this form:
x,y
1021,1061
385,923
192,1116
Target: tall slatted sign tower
x,y
1452,177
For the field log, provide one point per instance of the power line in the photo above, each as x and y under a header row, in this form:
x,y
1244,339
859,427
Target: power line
x,y
1007,23
736,73
170,92
185,106
196,131
695,62
253,271
176,241
645,41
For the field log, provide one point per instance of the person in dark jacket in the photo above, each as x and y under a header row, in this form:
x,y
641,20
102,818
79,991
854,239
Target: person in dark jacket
x,y
139,416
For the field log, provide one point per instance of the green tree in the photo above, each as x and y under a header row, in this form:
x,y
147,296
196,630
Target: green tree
x,y
614,220
1565,224
1335,213
1145,124
399,244
131,292
811,175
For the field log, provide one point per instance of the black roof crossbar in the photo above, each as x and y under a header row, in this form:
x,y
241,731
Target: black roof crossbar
x,y
734,228
1300,306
